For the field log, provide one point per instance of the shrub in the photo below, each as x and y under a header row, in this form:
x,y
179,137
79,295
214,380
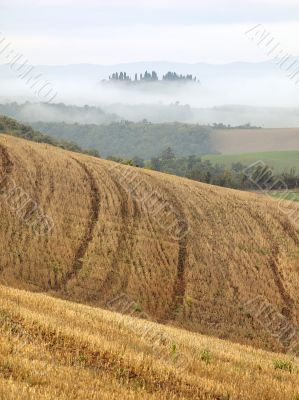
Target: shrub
x,y
283,365
206,356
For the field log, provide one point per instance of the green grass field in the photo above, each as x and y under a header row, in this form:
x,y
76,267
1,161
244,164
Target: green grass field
x,y
278,160
289,196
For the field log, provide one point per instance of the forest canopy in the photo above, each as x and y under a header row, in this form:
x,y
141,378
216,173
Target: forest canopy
x,y
127,139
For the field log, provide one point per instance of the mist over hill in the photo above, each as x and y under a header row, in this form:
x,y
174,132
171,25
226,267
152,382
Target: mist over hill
x,y
267,117
32,112
234,83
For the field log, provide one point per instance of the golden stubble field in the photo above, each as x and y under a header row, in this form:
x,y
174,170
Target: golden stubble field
x,y
55,349
183,253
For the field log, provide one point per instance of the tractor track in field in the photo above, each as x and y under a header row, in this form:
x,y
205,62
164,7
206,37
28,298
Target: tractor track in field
x,y
124,240
288,310
289,302
273,262
93,218
181,236
51,189
7,164
180,284
130,217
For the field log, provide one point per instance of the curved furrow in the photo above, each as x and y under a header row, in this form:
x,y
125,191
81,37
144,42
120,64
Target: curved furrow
x,y
125,239
162,255
51,189
224,272
37,179
177,231
6,167
288,310
273,262
142,197
180,234
151,218
7,164
92,221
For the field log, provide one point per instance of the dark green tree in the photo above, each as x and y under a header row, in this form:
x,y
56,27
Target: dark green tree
x,y
167,154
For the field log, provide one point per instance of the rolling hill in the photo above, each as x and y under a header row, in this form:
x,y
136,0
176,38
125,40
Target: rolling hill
x,y
52,349
184,253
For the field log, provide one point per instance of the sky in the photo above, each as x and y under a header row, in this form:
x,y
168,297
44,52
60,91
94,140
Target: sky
x,y
59,32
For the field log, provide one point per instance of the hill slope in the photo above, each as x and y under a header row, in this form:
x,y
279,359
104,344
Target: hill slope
x,y
53,349
182,252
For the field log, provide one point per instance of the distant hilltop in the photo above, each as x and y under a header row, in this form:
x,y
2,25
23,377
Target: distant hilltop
x,y
151,77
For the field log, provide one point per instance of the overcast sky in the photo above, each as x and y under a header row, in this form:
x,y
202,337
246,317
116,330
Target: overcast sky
x,y
117,31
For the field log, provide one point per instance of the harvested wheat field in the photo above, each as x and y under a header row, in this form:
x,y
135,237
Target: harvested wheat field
x,y
234,141
55,349
179,252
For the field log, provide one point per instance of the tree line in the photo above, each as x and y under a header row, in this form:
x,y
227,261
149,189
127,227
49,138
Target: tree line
x,y
239,176
151,77
9,126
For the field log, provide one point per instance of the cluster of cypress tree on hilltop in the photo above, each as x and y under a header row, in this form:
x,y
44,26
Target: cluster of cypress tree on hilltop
x,y
152,77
